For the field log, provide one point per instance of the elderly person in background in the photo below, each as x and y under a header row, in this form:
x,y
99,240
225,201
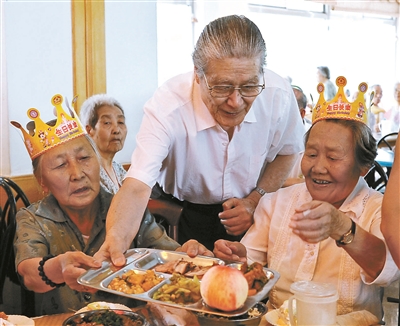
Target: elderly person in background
x,y
215,139
324,76
390,225
376,111
328,228
296,176
393,114
56,237
301,99
104,120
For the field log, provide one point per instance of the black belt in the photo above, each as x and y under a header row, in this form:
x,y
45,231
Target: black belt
x,y
158,192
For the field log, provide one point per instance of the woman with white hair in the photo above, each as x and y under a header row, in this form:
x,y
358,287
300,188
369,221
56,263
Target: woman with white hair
x,y
104,120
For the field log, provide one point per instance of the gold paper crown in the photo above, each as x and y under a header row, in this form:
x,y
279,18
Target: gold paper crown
x,y
339,107
42,136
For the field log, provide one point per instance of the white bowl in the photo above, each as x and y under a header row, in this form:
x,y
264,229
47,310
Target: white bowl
x,y
19,320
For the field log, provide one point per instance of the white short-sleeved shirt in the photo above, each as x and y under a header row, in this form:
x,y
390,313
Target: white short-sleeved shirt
x,y
181,146
270,241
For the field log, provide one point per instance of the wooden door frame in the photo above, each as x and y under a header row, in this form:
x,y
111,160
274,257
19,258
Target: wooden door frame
x,y
88,49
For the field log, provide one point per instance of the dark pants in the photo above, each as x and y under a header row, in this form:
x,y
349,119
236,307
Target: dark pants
x,y
201,222
198,221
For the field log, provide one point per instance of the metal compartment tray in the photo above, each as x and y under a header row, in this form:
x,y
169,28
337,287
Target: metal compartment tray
x,y
142,259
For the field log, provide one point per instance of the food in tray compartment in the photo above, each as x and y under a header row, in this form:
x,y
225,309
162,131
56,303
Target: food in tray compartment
x,y
180,290
224,288
183,267
133,282
255,276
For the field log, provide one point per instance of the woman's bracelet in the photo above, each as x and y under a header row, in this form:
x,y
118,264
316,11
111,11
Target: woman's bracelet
x,y
43,275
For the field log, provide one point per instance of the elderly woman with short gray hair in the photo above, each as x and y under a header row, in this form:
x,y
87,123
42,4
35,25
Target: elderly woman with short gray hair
x,y
104,120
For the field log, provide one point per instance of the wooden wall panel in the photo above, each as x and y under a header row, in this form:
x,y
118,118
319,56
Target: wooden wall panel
x,y
29,186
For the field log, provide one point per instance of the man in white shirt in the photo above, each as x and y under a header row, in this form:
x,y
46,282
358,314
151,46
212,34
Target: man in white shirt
x,y
215,139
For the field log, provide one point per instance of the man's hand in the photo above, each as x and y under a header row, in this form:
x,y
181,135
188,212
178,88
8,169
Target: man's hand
x,y
112,250
228,250
194,248
237,216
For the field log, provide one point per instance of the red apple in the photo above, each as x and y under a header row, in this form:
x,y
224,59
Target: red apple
x,y
224,288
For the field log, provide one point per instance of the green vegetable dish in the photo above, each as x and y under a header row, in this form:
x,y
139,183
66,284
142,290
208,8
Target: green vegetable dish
x,y
106,318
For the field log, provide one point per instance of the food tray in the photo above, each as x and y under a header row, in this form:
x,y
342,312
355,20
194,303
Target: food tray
x,y
142,259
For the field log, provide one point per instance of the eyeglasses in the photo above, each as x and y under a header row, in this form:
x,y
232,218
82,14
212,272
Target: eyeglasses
x,y
220,91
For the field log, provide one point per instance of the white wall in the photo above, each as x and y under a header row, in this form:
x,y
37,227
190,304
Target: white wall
x,y
131,60
38,64
37,38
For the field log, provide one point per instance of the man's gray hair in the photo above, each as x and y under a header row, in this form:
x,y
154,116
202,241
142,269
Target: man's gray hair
x,y
229,37
88,113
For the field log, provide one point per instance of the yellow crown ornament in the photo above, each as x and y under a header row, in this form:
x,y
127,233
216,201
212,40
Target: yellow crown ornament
x,y
42,136
339,107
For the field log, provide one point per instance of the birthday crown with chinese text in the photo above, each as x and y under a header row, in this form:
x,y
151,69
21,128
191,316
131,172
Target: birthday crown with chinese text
x,y
42,136
339,107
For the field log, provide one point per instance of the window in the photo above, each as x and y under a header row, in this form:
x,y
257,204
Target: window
x,y
302,5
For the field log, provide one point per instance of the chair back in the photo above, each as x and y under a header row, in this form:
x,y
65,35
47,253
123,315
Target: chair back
x,y
166,212
377,177
388,140
12,193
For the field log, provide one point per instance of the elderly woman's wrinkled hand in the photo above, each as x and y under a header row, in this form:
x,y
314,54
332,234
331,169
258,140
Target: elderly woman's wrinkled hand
x,y
74,264
194,248
228,250
315,221
237,216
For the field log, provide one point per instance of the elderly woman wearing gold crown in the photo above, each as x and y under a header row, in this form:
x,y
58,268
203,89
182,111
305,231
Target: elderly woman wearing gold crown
x,y
328,228
56,237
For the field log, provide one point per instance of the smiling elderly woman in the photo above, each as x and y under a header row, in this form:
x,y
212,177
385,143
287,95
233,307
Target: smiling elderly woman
x,y
327,229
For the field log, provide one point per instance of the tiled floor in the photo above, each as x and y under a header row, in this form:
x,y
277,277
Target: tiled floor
x,y
391,309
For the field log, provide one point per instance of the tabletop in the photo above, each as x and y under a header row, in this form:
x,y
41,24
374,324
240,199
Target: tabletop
x,y
51,320
385,157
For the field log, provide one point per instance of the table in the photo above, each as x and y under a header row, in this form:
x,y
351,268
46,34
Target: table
x,y
385,157
57,320
51,320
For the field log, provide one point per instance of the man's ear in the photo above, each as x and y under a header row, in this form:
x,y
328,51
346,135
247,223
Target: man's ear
x,y
196,76
303,113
